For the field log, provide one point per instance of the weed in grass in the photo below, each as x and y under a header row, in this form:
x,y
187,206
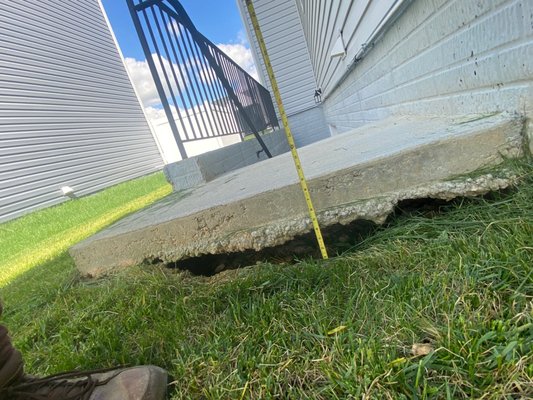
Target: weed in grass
x,y
459,280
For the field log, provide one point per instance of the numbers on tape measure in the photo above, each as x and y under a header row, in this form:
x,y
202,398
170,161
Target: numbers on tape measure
x,y
290,139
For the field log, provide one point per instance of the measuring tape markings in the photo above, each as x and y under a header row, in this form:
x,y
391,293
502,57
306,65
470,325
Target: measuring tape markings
x,y
288,133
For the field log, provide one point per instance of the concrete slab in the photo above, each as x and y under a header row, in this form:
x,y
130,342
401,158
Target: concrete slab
x,y
358,175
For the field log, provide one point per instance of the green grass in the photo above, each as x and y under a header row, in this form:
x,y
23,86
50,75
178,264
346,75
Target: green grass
x,y
461,281
41,236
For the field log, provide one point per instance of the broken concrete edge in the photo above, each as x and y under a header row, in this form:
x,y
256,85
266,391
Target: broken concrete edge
x,y
194,171
242,223
528,136
376,210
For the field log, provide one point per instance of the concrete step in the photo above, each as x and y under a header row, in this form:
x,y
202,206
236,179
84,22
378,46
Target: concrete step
x,y
357,175
194,171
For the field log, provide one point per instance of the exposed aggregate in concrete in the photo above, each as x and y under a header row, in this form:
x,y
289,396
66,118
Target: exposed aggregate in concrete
x,y
362,175
376,210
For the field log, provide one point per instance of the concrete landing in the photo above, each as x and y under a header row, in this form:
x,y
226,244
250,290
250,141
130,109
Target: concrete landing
x,y
358,175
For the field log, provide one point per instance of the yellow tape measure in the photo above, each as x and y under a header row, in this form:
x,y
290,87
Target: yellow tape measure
x,y
290,139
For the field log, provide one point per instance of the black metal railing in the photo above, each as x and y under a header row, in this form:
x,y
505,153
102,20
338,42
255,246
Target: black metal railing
x,y
203,91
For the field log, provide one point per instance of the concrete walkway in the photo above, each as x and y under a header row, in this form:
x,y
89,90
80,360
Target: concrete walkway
x,y
358,175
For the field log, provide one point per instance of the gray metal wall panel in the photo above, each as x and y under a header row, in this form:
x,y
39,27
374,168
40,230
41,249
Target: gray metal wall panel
x,y
68,112
444,58
323,20
287,48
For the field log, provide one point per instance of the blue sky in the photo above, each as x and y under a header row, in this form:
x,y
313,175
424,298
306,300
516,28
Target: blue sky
x,y
218,20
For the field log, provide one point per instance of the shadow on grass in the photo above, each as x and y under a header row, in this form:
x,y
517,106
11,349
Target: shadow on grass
x,y
459,279
41,284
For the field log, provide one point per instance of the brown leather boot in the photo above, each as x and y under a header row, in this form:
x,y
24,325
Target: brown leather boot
x,y
136,383
11,365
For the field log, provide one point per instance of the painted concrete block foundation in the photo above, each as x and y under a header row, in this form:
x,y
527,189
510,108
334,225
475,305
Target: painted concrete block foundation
x,y
445,58
205,167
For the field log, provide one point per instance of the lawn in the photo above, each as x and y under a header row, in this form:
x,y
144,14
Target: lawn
x,y
29,241
459,280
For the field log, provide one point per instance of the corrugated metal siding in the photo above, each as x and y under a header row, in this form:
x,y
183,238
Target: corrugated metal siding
x,y
286,45
445,58
68,112
323,20
287,48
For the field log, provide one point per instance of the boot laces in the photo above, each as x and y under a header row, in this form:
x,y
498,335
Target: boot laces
x,y
65,386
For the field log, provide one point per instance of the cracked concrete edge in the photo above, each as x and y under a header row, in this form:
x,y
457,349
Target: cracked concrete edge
x,y
281,231
368,191
375,210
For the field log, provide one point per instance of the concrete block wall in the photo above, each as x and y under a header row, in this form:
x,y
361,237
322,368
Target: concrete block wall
x,y
308,126
442,57
289,56
205,167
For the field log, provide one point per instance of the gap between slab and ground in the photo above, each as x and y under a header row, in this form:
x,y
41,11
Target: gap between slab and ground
x,y
361,175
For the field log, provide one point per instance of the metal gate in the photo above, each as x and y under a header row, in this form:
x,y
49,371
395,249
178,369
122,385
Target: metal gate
x,y
204,93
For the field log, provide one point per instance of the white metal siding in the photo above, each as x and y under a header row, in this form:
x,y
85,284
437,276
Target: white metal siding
x,y
282,31
444,57
284,38
68,112
323,21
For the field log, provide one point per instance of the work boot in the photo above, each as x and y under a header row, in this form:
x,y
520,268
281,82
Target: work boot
x,y
135,383
11,365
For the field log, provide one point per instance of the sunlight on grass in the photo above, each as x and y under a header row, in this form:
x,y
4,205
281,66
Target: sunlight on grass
x,y
62,226
456,278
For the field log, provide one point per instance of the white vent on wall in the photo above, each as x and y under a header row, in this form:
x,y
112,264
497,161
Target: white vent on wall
x,y
339,49
68,192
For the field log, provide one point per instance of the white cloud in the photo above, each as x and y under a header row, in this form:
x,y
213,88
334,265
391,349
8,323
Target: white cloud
x,y
243,38
242,55
173,27
157,115
145,86
144,83
142,80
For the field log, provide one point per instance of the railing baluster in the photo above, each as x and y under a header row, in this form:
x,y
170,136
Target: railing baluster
x,y
215,96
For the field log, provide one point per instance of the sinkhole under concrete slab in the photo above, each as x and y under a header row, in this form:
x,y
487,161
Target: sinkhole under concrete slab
x,y
361,174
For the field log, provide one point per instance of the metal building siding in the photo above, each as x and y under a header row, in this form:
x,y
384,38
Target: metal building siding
x,y
323,20
447,58
68,112
283,34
